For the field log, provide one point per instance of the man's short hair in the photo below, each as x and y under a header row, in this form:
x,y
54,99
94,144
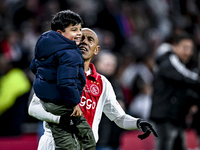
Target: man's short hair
x,y
64,18
182,36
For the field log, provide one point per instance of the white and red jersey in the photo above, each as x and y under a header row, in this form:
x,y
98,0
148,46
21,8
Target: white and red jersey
x,y
98,96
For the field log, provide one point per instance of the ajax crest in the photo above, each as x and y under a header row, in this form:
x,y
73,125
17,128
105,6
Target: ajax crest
x,y
94,89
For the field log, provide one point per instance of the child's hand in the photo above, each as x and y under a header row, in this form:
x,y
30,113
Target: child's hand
x,y
77,111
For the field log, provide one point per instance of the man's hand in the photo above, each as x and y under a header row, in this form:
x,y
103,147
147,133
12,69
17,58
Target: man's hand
x,y
77,111
146,128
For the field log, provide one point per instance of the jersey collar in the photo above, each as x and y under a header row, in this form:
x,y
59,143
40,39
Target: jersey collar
x,y
94,73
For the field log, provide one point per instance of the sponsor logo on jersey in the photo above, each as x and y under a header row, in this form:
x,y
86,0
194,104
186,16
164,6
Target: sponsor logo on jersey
x,y
88,103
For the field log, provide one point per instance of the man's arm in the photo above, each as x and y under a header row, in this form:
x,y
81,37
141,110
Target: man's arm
x,y
127,122
115,113
130,123
37,111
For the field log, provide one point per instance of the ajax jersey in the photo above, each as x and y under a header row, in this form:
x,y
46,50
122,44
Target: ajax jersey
x,y
90,97
98,96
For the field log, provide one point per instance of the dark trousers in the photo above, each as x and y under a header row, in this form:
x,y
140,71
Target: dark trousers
x,y
171,137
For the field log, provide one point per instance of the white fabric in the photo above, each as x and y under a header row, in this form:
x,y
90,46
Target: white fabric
x,y
88,72
133,70
36,110
182,69
141,106
163,49
46,141
126,122
108,104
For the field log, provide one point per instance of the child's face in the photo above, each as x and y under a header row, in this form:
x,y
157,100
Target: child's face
x,y
73,33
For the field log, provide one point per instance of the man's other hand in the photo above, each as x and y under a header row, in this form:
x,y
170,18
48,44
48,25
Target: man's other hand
x,y
146,127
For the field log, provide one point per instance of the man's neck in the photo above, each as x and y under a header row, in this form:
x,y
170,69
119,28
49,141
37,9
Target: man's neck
x,y
86,65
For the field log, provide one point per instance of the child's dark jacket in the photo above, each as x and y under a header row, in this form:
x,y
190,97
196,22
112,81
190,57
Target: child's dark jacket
x,y
59,69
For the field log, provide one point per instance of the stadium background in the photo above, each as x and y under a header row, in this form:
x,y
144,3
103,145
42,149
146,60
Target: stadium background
x,y
132,29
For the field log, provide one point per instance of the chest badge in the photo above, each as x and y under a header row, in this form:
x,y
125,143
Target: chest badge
x,y
94,89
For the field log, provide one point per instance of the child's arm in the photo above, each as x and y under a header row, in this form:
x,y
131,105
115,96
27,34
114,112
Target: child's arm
x,y
32,66
68,76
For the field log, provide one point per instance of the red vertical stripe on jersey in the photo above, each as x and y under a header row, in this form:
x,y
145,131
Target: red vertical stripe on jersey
x,y
90,97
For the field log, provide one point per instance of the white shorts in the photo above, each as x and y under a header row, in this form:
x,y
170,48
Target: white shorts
x,y
46,142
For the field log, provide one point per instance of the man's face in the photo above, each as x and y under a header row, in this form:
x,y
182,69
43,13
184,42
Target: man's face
x,y
184,50
89,44
73,33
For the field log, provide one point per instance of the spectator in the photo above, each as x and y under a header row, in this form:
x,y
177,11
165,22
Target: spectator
x,y
28,11
15,88
171,95
109,133
137,80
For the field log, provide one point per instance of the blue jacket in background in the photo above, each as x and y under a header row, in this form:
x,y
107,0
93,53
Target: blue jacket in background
x,y
59,69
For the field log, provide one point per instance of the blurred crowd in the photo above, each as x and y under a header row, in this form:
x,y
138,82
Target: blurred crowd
x,y
130,33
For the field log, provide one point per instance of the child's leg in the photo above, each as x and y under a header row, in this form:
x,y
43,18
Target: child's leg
x,y
63,138
85,135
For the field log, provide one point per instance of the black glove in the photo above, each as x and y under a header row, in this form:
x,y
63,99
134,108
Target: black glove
x,y
146,128
66,121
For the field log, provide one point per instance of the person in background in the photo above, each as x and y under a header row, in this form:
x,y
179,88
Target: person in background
x,y
172,86
137,80
14,90
106,63
59,79
98,97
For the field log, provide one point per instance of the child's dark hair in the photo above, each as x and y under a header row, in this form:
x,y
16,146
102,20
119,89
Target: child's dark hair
x,y
64,18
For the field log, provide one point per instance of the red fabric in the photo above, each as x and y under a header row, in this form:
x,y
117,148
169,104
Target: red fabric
x,y
91,94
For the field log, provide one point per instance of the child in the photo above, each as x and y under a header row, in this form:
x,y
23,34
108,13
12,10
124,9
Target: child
x,y
59,79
